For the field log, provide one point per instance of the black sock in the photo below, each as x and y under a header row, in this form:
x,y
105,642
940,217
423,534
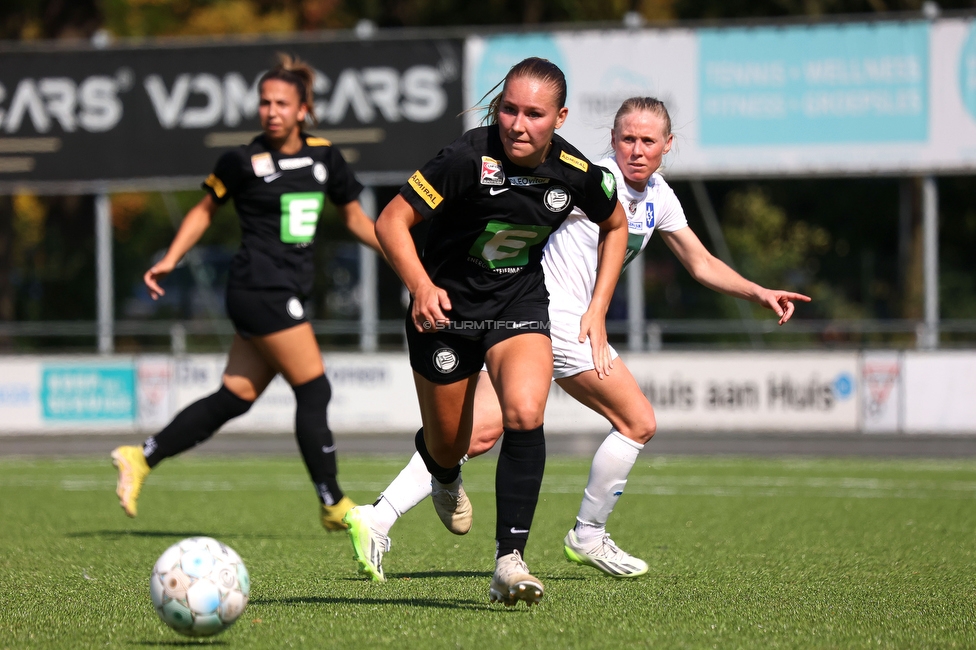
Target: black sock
x,y
194,424
442,474
315,438
518,478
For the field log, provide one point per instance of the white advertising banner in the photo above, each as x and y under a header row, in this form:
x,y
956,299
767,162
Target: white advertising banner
x,y
940,392
20,394
877,391
726,391
848,98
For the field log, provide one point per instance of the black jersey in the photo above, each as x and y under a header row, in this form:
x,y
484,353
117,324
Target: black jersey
x,y
491,218
279,199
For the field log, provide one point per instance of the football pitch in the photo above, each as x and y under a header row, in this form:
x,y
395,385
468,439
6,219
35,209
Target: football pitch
x,y
744,553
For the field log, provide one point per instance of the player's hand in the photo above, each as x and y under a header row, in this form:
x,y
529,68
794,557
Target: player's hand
x,y
594,327
429,304
155,275
781,302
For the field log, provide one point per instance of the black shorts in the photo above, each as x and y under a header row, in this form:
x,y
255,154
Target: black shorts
x,y
258,313
449,354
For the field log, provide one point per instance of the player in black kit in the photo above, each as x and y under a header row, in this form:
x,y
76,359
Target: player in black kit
x,y
279,183
479,296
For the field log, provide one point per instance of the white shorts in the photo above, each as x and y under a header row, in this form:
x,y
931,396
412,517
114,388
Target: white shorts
x,y
569,356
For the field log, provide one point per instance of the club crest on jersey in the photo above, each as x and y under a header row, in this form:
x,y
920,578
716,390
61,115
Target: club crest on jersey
x,y
445,360
294,308
262,164
633,207
556,198
320,173
491,171
649,206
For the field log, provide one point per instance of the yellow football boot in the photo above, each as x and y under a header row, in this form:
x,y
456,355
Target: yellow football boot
x,y
133,470
332,515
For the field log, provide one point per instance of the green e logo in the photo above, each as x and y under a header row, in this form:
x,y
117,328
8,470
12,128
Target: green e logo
x,y
507,244
634,243
299,216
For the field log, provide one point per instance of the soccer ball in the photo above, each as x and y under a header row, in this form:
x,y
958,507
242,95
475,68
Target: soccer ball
x,y
199,586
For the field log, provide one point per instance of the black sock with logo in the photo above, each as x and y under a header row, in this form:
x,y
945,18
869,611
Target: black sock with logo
x,y
442,474
518,479
194,424
315,438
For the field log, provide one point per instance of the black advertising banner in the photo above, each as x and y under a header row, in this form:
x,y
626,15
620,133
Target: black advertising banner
x,y
157,117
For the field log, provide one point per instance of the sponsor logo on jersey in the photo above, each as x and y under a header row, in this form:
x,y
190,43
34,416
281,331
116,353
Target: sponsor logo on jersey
x,y
426,191
556,199
320,173
294,308
573,161
491,171
288,164
495,191
525,181
216,185
262,164
299,216
609,184
272,177
649,207
504,247
318,142
445,360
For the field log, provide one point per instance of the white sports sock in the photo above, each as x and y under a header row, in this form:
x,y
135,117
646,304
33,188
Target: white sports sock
x,y
410,487
608,476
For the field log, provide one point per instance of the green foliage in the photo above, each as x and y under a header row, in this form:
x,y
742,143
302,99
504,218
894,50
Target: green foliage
x,y
768,247
744,553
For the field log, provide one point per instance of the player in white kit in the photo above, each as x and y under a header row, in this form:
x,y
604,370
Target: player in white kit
x,y
640,137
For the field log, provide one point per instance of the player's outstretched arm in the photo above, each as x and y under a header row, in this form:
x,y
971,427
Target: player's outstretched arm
x,y
715,274
195,223
393,233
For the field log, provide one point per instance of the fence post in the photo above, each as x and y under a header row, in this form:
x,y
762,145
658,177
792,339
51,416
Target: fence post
x,y
368,281
930,247
105,280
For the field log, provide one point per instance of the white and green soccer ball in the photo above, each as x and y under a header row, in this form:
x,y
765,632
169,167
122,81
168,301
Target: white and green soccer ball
x,y
199,586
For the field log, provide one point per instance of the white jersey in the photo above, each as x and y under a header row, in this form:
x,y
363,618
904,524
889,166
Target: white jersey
x,y
570,256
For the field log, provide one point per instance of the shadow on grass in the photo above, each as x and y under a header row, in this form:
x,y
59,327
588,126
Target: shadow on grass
x,y
410,602
189,643
182,534
119,534
441,574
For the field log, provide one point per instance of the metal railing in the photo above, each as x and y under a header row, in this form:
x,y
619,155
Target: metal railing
x,y
658,334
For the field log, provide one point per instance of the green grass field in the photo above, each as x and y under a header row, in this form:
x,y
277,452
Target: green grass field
x,y
743,553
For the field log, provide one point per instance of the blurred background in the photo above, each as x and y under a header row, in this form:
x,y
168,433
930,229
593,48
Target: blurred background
x,y
860,195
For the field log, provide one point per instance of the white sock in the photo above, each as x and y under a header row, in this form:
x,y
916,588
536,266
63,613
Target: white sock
x,y
410,487
608,476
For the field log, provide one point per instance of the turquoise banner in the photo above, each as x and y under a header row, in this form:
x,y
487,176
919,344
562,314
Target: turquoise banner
x,y
88,393
814,85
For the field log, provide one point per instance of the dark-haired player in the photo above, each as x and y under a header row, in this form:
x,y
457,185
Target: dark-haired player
x,y
478,296
279,184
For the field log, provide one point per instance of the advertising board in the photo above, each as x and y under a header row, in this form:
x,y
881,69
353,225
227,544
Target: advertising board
x,y
940,388
879,391
845,98
734,391
88,394
154,116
